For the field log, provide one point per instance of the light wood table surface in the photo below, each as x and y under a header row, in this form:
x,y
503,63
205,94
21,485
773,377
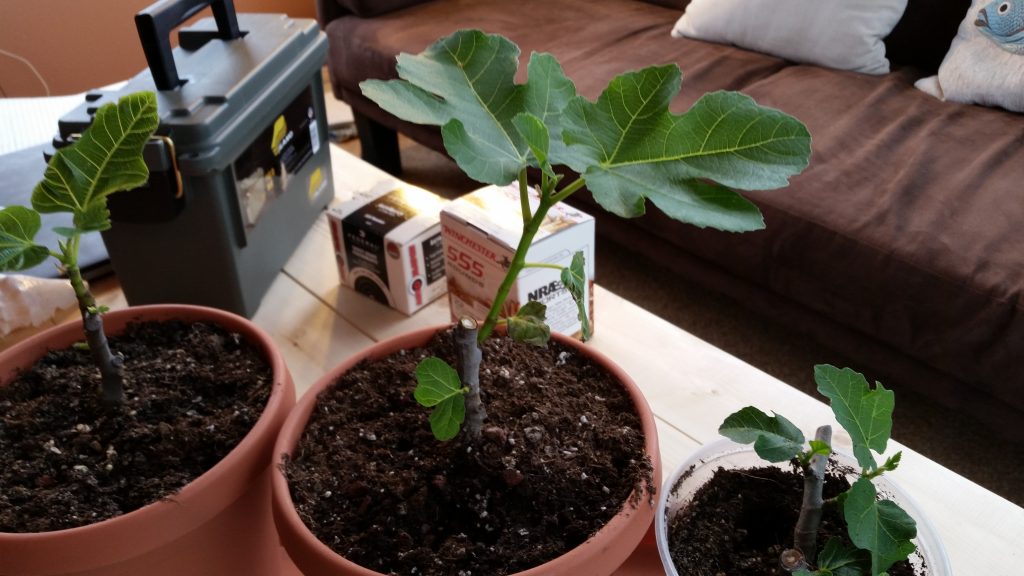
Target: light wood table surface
x,y
690,384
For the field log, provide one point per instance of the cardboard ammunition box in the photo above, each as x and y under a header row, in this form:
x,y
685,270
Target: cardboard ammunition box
x,y
481,231
388,245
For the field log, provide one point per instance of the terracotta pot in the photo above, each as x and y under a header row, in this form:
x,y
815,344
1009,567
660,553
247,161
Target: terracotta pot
x,y
601,555
219,524
679,489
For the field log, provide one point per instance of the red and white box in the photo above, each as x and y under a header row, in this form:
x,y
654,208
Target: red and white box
x,y
387,242
481,231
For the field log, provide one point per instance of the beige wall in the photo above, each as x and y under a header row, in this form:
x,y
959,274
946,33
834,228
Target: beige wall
x,y
81,44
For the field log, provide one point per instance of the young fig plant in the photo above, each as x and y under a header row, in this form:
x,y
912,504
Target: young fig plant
x,y
881,531
626,148
107,158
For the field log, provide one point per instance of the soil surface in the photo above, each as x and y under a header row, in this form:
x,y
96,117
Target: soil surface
x,y
740,521
193,392
561,454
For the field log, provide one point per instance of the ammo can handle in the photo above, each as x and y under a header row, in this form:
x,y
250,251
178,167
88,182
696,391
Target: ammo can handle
x,y
156,22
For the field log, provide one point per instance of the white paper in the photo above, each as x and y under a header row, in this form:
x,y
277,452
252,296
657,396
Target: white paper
x,y
27,122
29,301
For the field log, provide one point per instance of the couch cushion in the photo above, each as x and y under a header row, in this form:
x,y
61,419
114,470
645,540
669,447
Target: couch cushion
x,y
843,34
985,64
905,226
618,35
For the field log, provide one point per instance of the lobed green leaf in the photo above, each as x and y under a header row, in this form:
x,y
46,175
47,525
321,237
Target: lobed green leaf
x,y
574,278
106,159
879,526
465,83
865,413
18,229
630,147
775,438
547,93
529,325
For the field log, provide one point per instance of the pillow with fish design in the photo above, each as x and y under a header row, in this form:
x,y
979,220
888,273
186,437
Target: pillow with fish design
x,y
985,63
841,34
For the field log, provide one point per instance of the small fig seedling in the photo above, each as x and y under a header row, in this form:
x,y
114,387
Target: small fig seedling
x,y
106,159
880,530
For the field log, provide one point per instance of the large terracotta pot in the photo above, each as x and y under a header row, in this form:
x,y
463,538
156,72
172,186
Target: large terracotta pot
x,y
601,555
219,524
679,490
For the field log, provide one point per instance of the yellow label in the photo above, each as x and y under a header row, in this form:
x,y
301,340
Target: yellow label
x,y
280,131
316,180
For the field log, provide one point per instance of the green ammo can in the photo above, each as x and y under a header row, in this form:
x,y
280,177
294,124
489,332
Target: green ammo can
x,y
240,167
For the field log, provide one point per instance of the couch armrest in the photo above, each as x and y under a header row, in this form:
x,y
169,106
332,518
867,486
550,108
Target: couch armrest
x,y
327,10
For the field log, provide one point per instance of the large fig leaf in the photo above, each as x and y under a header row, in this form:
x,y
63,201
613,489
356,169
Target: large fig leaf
x,y
879,526
865,413
630,147
18,228
465,84
106,159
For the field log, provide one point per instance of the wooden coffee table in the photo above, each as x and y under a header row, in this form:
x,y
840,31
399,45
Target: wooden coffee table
x,y
690,384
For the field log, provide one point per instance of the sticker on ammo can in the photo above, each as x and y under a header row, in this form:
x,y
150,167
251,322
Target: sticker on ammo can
x,y
264,169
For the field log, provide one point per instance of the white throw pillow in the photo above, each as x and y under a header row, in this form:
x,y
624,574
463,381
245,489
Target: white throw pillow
x,y
843,34
985,63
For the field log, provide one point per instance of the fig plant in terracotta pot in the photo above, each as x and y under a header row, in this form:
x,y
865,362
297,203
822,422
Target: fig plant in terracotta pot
x,y
769,502
538,456
139,441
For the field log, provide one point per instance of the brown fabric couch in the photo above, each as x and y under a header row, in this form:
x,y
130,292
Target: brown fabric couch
x,y
901,245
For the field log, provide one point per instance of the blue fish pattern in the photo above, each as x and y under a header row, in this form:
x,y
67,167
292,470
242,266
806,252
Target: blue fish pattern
x,y
1002,21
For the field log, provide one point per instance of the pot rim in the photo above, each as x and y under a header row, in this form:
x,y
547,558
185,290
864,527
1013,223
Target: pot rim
x,y
197,501
928,543
295,535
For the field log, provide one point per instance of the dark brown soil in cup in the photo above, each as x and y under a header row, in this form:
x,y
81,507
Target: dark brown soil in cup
x,y
740,521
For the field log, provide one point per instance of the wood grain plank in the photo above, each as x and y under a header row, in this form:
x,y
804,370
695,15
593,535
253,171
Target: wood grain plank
x,y
312,337
674,446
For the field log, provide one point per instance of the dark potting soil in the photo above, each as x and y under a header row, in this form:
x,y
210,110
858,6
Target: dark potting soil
x,y
561,454
740,521
193,392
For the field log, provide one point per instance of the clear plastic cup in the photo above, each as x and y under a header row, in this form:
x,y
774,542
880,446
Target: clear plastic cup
x,y
676,493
